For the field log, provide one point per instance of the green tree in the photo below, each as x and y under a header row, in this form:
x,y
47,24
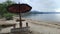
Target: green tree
x,y
3,7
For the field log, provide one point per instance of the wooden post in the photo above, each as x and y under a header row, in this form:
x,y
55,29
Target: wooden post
x,y
26,24
20,17
14,25
20,21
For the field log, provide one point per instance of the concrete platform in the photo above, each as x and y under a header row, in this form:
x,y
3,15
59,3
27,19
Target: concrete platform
x,y
23,30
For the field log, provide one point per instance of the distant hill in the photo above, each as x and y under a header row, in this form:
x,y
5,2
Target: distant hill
x,y
37,12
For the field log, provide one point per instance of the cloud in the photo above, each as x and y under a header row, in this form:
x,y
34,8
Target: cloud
x,y
2,1
43,4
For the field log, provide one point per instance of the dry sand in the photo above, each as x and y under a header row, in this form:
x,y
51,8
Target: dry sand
x,y
42,27
37,27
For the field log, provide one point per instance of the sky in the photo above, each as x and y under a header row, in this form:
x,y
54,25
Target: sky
x,y
41,5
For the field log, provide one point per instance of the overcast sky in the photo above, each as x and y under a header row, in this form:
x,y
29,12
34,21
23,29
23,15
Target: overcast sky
x,y
41,5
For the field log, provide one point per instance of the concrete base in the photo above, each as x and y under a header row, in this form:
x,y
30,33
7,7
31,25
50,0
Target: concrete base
x,y
23,30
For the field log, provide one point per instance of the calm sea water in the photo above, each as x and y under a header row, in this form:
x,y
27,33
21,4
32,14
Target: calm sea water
x,y
45,17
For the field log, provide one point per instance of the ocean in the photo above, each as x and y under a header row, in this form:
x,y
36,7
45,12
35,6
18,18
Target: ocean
x,y
45,17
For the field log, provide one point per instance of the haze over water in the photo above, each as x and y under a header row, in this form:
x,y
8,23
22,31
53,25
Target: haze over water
x,y
45,17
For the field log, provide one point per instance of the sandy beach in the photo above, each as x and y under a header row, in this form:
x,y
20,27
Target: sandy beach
x,y
37,27
43,27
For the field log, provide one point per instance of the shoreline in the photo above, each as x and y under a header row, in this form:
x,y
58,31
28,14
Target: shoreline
x,y
40,27
37,27
43,23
